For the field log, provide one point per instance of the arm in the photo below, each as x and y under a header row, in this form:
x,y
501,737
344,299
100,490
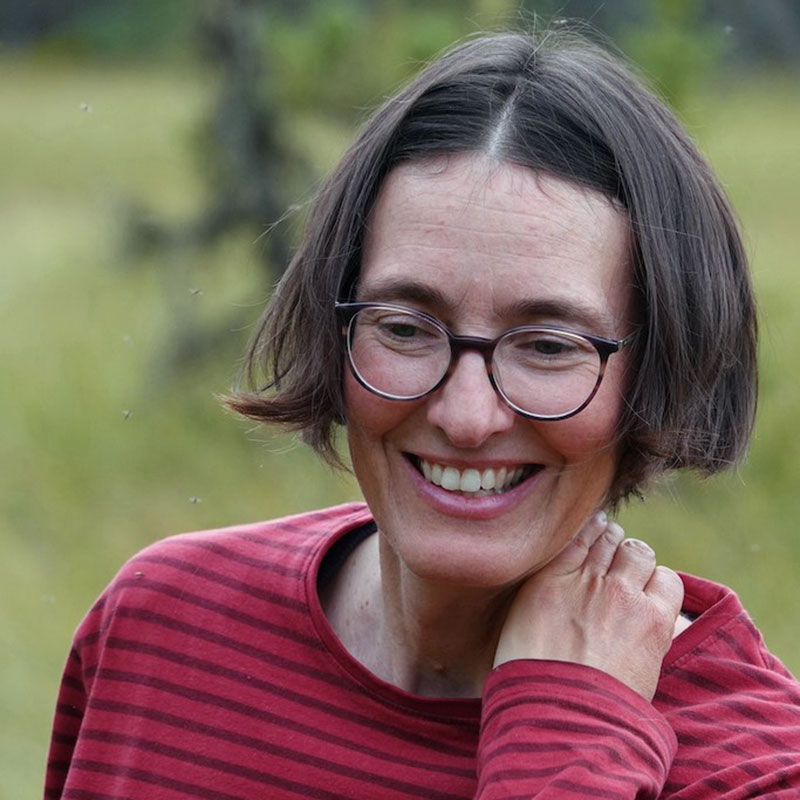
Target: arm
x,y
567,711
553,730
70,708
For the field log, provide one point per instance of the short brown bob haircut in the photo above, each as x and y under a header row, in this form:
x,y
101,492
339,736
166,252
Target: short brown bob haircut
x,y
560,105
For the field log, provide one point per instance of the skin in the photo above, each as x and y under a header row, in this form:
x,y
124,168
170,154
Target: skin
x,y
453,585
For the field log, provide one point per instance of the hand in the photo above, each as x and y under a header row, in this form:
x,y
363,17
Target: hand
x,y
602,602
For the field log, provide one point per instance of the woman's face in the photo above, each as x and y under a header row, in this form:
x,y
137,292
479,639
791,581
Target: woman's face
x,y
485,246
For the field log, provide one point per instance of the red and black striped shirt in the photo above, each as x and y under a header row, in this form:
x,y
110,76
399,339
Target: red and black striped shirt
x,y
208,670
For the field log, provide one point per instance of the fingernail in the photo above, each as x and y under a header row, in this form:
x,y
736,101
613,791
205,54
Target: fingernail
x,y
638,543
601,517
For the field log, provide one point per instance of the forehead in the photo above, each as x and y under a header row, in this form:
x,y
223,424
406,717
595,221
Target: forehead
x,y
490,237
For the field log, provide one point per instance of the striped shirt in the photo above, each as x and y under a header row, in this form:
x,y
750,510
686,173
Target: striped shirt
x,y
208,670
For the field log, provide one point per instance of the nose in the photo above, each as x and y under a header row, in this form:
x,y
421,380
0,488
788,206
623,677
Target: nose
x,y
467,408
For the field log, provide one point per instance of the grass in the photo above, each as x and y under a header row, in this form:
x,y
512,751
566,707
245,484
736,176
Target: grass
x,y
105,448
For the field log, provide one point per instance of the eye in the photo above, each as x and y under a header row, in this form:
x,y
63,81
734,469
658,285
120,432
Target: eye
x,y
549,346
401,332
402,329
545,343
547,349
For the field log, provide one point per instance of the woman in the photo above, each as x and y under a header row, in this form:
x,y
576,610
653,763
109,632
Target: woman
x,y
523,294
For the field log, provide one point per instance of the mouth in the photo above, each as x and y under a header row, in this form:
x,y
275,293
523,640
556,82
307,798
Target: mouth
x,y
473,482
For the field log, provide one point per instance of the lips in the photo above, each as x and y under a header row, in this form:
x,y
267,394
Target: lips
x,y
474,482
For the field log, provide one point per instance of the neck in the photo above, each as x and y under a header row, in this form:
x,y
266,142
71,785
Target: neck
x,y
443,636
427,638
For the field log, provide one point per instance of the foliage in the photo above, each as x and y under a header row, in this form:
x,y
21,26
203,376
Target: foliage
x,y
676,50
120,28
106,450
338,56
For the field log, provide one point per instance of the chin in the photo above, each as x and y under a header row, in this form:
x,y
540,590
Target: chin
x,y
469,553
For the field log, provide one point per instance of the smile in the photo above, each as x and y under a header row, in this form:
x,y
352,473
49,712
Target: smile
x,y
473,482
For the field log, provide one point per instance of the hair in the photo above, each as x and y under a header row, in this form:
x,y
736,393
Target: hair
x,y
560,105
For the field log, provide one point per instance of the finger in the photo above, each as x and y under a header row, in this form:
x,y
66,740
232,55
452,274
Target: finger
x,y
591,530
633,563
666,586
602,552
574,553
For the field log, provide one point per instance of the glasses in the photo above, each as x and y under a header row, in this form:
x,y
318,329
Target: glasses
x,y
540,372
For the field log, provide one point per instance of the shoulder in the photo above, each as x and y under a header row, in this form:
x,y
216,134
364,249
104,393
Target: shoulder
x,y
215,573
721,660
721,630
731,702
287,540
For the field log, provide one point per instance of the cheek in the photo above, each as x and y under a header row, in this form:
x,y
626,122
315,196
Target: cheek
x,y
369,418
591,435
371,424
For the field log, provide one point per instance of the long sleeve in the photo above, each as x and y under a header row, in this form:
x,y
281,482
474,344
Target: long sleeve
x,y
557,731
70,708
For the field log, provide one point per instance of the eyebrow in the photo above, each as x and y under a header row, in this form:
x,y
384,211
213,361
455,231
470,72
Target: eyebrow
x,y
565,310
403,289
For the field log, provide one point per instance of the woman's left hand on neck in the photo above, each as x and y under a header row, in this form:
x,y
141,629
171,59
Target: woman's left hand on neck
x,y
602,602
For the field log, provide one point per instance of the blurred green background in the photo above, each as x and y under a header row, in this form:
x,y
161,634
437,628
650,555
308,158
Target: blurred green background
x,y
147,150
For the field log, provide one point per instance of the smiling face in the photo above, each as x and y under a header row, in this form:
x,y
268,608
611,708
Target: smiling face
x,y
463,489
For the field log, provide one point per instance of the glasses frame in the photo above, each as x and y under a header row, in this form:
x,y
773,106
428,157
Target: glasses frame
x,y
458,344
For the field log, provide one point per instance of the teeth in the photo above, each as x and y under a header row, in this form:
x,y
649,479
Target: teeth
x,y
500,478
472,481
451,479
